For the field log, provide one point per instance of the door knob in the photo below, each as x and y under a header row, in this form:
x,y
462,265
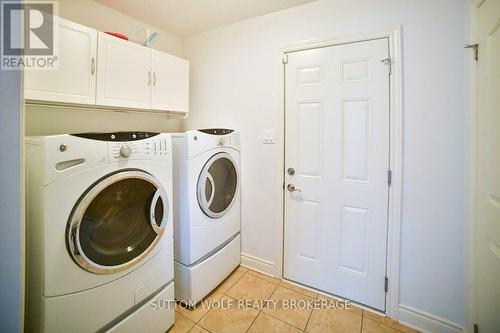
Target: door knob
x,y
292,188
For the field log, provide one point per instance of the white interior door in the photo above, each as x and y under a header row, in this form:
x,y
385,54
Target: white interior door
x,y
337,143
170,90
124,75
75,80
488,170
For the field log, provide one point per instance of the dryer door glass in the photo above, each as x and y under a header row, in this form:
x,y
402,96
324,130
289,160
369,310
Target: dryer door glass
x,y
217,185
118,222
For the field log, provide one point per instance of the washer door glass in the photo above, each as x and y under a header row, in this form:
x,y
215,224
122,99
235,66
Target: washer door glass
x,y
217,185
118,222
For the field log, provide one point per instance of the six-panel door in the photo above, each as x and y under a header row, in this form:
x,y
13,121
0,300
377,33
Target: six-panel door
x,y
75,79
337,142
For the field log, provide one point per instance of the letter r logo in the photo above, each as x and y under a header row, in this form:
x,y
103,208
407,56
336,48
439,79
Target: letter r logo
x,y
37,38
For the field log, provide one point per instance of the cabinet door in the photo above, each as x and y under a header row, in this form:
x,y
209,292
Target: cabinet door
x,y
170,83
124,75
74,81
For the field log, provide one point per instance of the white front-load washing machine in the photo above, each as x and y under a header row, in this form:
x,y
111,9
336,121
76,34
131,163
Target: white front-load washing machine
x,y
99,233
206,210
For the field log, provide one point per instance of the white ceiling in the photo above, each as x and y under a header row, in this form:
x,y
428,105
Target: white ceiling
x,y
188,17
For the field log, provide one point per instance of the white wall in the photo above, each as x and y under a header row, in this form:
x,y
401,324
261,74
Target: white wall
x,y
44,121
11,232
11,225
100,17
235,82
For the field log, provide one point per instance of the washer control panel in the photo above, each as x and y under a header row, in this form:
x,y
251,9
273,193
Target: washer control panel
x,y
154,148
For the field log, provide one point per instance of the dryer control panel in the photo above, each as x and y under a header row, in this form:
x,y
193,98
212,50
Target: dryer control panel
x,y
198,142
217,131
224,141
221,136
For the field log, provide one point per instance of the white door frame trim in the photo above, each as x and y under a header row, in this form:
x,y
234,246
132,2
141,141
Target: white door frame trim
x,y
396,151
470,209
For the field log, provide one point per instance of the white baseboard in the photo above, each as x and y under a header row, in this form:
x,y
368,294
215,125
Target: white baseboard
x,y
259,265
426,322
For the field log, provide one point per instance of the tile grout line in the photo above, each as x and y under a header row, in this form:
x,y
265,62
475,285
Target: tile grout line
x,y
260,308
180,314
362,320
303,294
253,321
380,323
300,329
255,316
231,287
299,292
223,294
270,315
308,318
284,322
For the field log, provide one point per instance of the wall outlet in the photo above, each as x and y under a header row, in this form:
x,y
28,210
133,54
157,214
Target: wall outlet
x,y
269,137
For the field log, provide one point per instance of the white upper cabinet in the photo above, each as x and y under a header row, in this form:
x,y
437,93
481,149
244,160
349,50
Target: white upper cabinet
x,y
99,69
74,81
124,76
170,87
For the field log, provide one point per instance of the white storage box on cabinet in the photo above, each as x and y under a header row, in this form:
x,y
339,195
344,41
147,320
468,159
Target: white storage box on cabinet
x,y
74,81
170,89
124,75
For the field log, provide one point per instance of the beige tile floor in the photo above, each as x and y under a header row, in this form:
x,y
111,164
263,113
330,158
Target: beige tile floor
x,y
245,284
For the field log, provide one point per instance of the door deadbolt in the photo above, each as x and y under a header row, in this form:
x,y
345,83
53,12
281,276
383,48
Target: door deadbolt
x,y
291,171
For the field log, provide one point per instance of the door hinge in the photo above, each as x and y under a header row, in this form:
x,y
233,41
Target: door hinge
x,y
476,329
388,61
475,48
284,59
386,284
389,177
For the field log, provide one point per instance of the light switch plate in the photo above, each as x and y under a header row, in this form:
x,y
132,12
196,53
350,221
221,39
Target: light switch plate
x,y
269,137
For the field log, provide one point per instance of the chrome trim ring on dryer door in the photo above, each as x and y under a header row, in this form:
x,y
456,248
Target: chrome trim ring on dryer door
x,y
218,185
118,222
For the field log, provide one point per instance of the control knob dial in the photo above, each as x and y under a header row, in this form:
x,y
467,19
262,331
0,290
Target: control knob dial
x,y
125,152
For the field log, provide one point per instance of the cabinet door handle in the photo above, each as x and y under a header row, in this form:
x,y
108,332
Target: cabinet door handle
x,y
154,79
92,66
149,78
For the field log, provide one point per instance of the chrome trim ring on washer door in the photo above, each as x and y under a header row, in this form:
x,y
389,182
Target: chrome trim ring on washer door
x,y
117,222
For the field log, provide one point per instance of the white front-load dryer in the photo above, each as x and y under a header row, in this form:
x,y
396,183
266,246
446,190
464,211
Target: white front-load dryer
x,y
206,210
99,232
